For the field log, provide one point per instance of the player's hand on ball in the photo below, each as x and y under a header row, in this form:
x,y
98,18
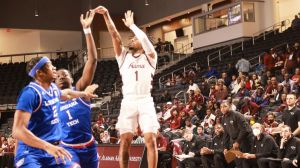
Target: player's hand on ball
x,y
59,153
101,10
128,21
89,91
88,19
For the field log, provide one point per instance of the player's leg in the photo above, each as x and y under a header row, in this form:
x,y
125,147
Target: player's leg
x,y
127,124
149,126
89,157
29,160
125,144
152,156
73,163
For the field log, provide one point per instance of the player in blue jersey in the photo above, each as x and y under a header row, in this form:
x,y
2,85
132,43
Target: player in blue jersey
x,y
36,123
75,114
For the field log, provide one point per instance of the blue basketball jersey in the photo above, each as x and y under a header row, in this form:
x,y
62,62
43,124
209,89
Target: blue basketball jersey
x,y
75,121
43,106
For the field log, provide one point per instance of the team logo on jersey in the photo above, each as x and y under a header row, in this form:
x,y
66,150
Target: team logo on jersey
x,y
133,65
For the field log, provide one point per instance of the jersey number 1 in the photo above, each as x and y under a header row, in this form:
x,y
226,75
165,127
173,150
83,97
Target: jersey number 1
x,y
136,75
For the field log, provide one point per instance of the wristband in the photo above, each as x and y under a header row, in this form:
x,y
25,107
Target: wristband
x,y
87,30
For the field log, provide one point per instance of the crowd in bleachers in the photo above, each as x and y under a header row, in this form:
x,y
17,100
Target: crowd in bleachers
x,y
260,96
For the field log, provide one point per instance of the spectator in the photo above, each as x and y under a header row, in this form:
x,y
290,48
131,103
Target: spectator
x,y
211,72
231,70
202,135
296,23
192,86
270,59
175,121
189,127
296,75
287,150
213,154
290,60
163,153
243,66
264,146
192,148
238,129
209,119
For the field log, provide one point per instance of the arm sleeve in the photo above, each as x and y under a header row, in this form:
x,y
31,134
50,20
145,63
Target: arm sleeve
x,y
28,101
142,37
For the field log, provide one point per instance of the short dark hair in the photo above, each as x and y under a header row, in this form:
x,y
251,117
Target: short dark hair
x,y
32,63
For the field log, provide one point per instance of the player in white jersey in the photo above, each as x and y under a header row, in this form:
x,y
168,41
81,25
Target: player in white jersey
x,y
137,67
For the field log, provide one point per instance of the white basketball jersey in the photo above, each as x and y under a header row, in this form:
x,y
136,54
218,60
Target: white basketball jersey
x,y
137,73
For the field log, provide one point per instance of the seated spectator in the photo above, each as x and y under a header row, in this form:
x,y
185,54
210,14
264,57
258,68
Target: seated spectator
x,y
270,122
226,79
221,91
270,60
279,63
248,108
209,119
283,104
163,153
280,76
193,116
189,127
235,84
271,90
175,120
202,135
198,97
243,91
296,75
192,86
255,82
287,150
192,147
290,60
259,98
211,72
165,97
213,154
264,146
231,70
287,82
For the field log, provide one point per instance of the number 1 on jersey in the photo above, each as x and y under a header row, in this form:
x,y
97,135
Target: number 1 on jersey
x,y
69,115
136,75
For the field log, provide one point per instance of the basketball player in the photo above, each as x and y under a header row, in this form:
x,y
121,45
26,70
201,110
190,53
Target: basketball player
x,y
137,67
36,123
75,114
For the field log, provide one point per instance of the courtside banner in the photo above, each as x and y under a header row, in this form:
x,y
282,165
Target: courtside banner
x,y
109,155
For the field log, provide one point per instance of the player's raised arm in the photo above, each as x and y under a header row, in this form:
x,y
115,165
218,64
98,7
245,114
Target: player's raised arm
x,y
91,64
116,38
140,35
88,93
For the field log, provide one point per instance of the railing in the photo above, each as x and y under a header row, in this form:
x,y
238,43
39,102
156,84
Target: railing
x,y
24,57
6,107
258,59
184,99
271,29
218,54
179,70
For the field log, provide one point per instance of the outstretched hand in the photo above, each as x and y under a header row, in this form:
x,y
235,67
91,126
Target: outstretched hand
x,y
87,20
89,91
128,21
101,10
